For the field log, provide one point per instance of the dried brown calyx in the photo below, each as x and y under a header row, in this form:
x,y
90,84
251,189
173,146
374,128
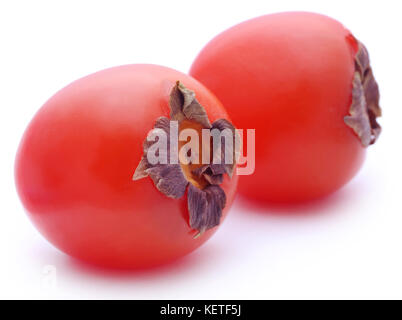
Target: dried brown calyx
x,y
365,107
202,179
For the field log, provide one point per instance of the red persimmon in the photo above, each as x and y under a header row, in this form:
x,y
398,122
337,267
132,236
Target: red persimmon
x,y
75,166
305,84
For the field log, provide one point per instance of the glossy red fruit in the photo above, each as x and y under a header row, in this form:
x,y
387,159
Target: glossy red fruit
x,y
76,161
300,80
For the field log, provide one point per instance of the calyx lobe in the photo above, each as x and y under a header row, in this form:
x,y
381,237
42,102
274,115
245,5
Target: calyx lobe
x,y
205,204
365,107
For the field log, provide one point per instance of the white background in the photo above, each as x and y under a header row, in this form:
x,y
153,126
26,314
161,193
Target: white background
x,y
345,246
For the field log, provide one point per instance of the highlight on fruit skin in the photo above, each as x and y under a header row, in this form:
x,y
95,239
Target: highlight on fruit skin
x,y
305,83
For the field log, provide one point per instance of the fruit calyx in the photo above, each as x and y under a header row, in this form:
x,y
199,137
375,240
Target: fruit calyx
x,y
205,198
365,107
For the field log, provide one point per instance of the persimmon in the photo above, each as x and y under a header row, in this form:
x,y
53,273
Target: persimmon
x,y
76,162
304,82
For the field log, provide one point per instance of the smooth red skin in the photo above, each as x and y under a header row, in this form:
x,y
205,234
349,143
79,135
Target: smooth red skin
x,y
289,76
75,165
